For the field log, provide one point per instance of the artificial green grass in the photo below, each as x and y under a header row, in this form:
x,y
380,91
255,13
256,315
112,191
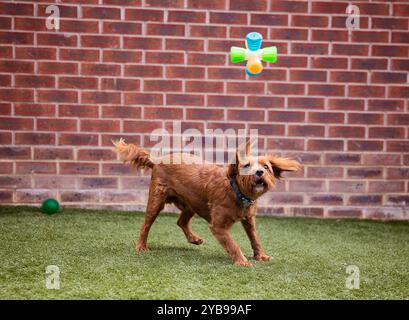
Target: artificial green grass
x,y
95,253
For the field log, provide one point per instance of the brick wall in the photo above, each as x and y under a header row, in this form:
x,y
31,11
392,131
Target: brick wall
x,y
336,99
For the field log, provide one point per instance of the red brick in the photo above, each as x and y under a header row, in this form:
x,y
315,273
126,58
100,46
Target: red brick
x,y
329,63
6,196
150,71
184,44
35,167
398,173
386,186
142,43
292,62
16,123
17,95
364,172
388,77
208,31
342,158
57,68
286,88
368,63
120,84
100,69
5,109
387,132
165,3
385,105
185,100
31,138
66,11
7,52
141,126
400,64
143,15
57,96
15,152
53,153
329,35
121,112
96,155
225,73
16,66
77,139
77,83
100,97
348,76
400,37
366,91
344,213
306,186
54,182
187,16
204,86
5,80
365,145
309,48
225,101
309,21
382,159
122,27
206,59
165,29
308,75
365,118
370,36
228,18
80,196
398,92
306,130
289,6
303,103
162,113
397,146
326,117
98,183
346,186
245,88
367,200
78,26
163,85
53,39
286,116
144,98
326,90
285,144
398,119
101,13
100,41
340,22
329,7
81,111
350,49
100,125
289,34
79,54
265,102
78,168
245,115
47,124
330,199
260,5
325,145
346,104
204,114
185,72
347,131
36,53
165,57
20,9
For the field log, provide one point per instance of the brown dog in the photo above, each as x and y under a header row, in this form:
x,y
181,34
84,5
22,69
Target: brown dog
x,y
221,195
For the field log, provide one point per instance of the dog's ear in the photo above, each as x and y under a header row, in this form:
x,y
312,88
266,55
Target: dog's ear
x,y
279,165
244,150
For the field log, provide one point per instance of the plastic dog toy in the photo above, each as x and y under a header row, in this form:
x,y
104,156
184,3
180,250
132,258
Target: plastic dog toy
x,y
253,54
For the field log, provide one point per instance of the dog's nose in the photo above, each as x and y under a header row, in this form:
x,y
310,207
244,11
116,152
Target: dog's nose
x,y
259,173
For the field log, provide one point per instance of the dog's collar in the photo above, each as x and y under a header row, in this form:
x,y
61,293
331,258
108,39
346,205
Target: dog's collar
x,y
245,202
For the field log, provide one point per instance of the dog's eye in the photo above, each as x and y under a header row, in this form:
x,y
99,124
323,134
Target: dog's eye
x,y
266,167
247,165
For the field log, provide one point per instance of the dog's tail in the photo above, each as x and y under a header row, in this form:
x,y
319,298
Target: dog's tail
x,y
132,154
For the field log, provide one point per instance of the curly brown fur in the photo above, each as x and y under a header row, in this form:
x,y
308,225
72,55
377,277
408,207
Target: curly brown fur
x,y
205,190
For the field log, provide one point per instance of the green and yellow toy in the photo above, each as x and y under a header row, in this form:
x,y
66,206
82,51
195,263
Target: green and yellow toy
x,y
253,54
50,206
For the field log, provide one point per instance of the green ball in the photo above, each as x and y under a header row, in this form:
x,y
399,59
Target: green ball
x,y
50,206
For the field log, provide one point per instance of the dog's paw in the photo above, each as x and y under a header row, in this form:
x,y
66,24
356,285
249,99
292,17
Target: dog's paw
x,y
141,248
196,240
263,257
243,263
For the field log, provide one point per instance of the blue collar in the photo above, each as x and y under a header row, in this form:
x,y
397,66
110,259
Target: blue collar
x,y
241,198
